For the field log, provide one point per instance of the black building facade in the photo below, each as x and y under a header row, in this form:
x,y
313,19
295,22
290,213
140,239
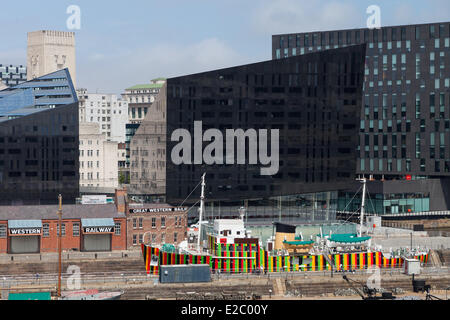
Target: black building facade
x,y
313,100
39,141
405,116
39,157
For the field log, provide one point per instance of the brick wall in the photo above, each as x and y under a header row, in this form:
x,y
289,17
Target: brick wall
x,y
4,241
68,241
119,242
156,231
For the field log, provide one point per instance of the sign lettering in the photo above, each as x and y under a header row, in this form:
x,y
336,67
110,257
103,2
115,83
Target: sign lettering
x,y
98,229
25,231
156,210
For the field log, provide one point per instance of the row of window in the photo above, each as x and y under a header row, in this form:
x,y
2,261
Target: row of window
x,y
139,222
153,237
387,165
362,36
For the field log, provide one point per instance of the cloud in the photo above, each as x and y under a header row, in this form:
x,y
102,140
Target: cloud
x,y
124,68
291,16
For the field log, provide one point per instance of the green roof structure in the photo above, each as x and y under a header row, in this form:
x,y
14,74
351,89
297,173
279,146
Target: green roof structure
x,y
147,86
299,243
347,238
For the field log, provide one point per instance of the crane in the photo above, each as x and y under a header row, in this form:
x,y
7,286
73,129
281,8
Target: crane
x,y
367,293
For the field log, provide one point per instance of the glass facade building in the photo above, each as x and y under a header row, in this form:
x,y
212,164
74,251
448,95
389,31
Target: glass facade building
x,y
405,117
39,138
12,75
313,100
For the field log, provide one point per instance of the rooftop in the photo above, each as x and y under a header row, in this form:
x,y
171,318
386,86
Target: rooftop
x,y
51,212
147,86
347,238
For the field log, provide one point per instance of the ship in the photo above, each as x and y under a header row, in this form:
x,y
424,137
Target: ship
x,y
92,294
230,248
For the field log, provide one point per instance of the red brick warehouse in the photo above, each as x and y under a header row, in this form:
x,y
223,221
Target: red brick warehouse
x,y
34,229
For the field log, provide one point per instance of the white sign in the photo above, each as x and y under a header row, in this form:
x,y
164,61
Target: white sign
x,y
156,210
98,199
98,229
25,231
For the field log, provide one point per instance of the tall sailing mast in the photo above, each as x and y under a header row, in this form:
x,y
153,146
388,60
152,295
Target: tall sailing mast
x,y
202,208
363,203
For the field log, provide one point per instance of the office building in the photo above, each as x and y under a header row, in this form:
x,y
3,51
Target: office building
x,y
313,100
110,112
405,117
39,141
98,161
11,75
140,98
148,154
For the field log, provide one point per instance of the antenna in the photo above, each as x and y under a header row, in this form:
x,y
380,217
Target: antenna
x,y
202,206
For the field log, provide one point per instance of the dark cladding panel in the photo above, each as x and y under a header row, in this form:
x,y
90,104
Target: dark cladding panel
x,y
314,101
39,157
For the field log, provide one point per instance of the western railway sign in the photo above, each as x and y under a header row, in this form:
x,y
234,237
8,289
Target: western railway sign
x,y
24,231
98,229
158,210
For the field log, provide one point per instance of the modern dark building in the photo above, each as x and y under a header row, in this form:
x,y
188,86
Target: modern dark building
x,y
405,116
39,141
313,100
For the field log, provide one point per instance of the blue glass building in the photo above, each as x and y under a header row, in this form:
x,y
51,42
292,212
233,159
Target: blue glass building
x,y
39,137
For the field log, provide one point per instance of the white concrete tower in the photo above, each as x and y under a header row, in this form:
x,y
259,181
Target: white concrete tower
x,y
50,51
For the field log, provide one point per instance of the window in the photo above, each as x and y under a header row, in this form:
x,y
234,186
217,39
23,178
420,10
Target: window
x,y
117,228
175,237
163,222
163,237
76,229
134,239
63,230
153,222
3,230
141,223
45,230
134,223
141,237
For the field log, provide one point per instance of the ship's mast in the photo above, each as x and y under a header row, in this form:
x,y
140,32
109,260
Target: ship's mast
x,y
202,207
363,203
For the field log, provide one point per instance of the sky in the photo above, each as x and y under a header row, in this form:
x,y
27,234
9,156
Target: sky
x,y
124,43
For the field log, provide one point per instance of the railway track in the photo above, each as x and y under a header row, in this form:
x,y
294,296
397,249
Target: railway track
x,y
327,288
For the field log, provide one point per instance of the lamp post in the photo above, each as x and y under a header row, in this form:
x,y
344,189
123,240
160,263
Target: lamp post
x,y
59,245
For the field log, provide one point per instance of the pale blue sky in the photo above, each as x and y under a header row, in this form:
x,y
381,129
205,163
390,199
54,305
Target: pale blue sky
x,y
128,42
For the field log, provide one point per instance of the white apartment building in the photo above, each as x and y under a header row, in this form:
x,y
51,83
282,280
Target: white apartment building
x,y
98,158
140,98
109,111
